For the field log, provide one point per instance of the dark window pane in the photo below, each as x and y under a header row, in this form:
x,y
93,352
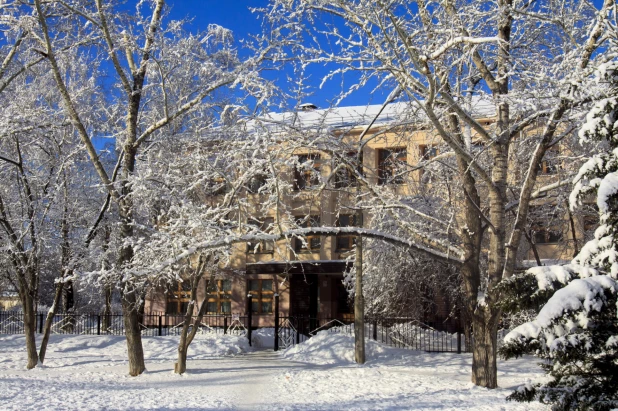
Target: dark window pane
x,y
590,222
343,243
183,307
211,307
255,306
267,246
256,183
267,307
254,285
267,285
186,285
226,285
390,162
226,306
428,152
314,243
172,307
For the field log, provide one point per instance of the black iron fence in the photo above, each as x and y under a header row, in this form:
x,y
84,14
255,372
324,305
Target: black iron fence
x,y
151,324
401,332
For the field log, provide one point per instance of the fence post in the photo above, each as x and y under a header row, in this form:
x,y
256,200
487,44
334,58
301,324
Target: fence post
x,y
99,324
41,323
458,341
375,330
249,317
276,322
297,331
225,324
160,326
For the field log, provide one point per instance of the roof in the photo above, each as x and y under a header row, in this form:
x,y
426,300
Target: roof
x,y
358,116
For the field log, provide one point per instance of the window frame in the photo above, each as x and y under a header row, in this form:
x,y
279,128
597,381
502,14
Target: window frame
x,y
550,164
179,298
344,177
590,222
306,222
219,296
351,238
387,167
542,233
261,296
307,179
423,151
261,246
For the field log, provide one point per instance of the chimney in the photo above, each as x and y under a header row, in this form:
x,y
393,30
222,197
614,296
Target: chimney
x,y
307,107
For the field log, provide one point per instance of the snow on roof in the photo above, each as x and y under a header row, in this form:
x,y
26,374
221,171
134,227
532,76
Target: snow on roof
x,y
357,116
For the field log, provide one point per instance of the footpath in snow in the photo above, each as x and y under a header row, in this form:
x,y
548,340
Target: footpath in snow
x,y
224,373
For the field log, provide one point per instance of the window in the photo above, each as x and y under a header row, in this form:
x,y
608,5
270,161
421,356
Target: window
x,y
313,242
261,296
546,232
344,177
590,222
345,242
220,299
390,164
343,299
261,247
178,297
427,152
217,186
307,172
255,183
550,163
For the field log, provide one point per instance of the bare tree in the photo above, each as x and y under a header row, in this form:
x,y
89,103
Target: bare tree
x,y
451,61
162,76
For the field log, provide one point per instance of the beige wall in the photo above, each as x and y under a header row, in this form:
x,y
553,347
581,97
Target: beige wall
x,y
327,204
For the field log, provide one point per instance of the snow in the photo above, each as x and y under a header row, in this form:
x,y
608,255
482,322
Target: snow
x,y
356,116
607,189
263,338
395,378
546,276
580,294
90,373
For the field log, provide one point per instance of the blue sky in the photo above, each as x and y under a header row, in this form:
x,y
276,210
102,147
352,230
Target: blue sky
x,y
236,16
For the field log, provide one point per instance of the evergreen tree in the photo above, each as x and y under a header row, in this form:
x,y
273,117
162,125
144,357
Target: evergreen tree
x,y
576,330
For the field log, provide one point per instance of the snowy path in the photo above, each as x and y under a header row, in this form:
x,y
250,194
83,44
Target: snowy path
x,y
90,373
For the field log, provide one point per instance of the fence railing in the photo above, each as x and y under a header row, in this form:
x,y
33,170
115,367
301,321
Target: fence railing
x,y
151,324
401,332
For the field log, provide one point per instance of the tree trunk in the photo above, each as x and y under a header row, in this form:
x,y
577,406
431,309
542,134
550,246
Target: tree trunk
x,y
359,305
484,348
133,334
181,365
185,337
49,320
30,330
107,288
107,309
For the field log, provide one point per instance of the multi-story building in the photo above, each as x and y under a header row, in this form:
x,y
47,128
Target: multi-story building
x,y
307,273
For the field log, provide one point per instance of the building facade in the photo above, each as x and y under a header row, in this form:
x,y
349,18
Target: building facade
x,y
308,273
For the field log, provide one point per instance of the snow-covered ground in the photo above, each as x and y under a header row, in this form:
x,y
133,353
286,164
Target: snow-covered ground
x,y
90,373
